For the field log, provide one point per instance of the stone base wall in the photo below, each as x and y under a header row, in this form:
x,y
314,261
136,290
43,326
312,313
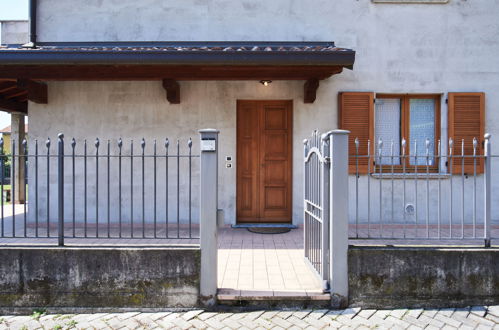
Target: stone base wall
x,y
422,277
99,277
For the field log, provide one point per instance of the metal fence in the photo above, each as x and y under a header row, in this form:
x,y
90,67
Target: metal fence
x,y
103,190
430,192
316,203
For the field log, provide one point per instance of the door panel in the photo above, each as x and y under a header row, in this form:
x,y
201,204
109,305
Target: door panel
x,y
275,198
275,173
266,126
275,118
247,161
275,158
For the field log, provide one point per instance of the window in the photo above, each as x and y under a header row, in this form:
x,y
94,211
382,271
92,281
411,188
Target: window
x,y
414,118
387,128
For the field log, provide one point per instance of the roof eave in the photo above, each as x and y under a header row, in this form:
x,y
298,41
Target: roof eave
x,y
344,58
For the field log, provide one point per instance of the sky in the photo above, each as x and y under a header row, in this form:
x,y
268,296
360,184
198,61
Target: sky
x,y
11,9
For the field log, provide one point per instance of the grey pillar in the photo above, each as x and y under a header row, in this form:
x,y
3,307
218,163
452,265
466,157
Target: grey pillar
x,y
339,218
487,189
18,173
326,180
208,215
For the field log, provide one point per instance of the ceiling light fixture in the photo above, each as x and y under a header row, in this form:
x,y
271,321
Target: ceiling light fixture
x,y
265,82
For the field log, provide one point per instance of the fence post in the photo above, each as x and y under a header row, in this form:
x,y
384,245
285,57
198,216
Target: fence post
x,y
326,173
305,196
208,214
487,188
60,188
338,265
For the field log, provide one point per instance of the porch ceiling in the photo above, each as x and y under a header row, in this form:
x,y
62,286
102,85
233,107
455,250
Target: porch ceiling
x,y
15,93
12,98
173,61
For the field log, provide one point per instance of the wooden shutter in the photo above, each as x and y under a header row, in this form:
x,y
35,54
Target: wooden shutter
x,y
466,121
356,114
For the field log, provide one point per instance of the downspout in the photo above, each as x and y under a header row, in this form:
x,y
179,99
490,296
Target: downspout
x,y
32,24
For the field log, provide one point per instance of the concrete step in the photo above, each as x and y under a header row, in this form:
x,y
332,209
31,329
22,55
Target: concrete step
x,y
273,298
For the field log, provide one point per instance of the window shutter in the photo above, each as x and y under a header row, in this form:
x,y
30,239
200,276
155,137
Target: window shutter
x,y
466,121
356,114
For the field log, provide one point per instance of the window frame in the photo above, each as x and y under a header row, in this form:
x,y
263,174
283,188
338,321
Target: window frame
x,y
405,130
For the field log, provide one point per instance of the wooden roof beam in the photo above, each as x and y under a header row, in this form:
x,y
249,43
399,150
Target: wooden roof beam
x,y
13,94
172,88
159,72
37,91
7,88
310,90
13,106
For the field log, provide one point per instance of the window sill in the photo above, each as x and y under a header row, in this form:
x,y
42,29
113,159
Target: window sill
x,y
399,176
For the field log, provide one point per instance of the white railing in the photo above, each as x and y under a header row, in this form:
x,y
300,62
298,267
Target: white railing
x,y
316,203
403,191
325,209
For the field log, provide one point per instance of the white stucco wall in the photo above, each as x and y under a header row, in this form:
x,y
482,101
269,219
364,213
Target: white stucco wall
x,y
401,48
14,32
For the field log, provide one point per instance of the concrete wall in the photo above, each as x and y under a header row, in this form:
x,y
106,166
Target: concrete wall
x,y
99,277
418,277
194,20
424,195
401,48
14,32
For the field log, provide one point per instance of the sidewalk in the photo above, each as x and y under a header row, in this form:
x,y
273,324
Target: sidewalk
x,y
477,317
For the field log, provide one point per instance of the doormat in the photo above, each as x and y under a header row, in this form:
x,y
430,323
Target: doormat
x,y
269,230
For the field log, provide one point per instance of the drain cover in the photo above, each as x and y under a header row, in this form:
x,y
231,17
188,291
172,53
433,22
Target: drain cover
x,y
269,230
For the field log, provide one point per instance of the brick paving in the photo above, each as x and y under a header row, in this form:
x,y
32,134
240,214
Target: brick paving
x,y
477,317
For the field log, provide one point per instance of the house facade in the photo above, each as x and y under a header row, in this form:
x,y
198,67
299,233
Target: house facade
x,y
275,72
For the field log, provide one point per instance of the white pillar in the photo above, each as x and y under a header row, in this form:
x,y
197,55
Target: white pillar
x,y
339,218
17,177
208,215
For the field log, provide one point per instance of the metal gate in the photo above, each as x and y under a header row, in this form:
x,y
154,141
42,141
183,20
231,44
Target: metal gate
x,y
317,204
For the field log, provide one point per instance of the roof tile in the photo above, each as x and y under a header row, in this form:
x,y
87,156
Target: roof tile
x,y
255,48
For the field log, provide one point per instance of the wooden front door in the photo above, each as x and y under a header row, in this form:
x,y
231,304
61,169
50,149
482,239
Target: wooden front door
x,y
264,161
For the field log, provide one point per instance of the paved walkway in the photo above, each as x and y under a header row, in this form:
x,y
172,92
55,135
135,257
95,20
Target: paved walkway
x,y
467,318
263,262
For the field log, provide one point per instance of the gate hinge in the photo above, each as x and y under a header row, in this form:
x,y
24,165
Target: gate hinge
x,y
326,286
327,160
